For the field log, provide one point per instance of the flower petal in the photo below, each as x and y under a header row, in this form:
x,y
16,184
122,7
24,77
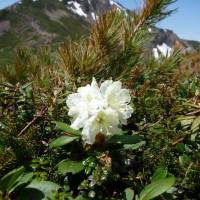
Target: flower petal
x,y
79,121
73,99
104,86
99,110
125,96
90,130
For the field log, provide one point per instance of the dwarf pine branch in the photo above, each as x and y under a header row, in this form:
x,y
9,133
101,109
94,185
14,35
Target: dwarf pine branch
x,y
152,12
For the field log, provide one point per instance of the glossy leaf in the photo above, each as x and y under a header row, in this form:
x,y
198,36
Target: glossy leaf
x,y
125,139
156,188
134,146
160,173
39,190
22,180
61,141
65,127
129,194
69,166
10,179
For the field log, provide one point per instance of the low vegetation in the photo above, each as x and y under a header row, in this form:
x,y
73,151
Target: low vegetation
x,y
156,155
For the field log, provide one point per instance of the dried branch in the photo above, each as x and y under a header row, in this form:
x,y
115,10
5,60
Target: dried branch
x,y
38,114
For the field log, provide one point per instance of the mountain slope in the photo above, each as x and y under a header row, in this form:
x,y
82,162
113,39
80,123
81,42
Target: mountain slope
x,y
164,41
195,44
31,23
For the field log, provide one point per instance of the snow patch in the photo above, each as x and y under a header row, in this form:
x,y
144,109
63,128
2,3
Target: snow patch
x,y
93,16
76,8
120,8
155,53
150,30
165,49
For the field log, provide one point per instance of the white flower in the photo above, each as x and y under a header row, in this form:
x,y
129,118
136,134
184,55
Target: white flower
x,y
104,121
117,98
83,104
99,110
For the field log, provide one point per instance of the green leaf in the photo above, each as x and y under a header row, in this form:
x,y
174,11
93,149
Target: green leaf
x,y
23,88
22,180
134,146
125,139
64,127
129,194
39,190
31,194
69,166
160,173
80,197
63,140
156,188
195,124
10,179
26,85
157,129
193,137
186,120
180,147
184,160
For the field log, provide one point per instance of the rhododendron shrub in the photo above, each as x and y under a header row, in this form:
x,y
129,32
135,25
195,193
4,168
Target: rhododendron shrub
x,y
99,109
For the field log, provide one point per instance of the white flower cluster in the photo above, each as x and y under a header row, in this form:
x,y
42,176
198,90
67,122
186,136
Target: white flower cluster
x,y
99,109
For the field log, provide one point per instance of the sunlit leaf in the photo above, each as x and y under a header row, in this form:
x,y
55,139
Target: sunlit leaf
x,y
160,173
156,188
61,141
184,160
64,127
22,180
39,190
129,194
69,166
195,124
10,179
135,146
158,129
186,121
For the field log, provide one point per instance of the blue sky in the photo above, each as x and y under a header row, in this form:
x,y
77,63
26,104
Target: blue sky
x,y
185,22
4,3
